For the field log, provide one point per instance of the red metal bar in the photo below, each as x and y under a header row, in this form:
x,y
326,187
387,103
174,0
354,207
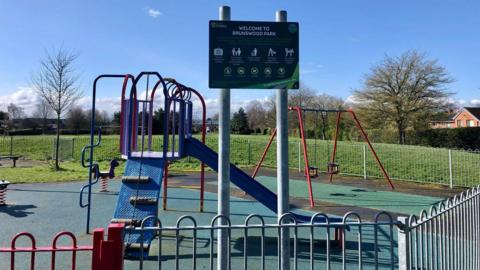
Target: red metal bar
x,y
305,154
264,154
74,248
365,137
106,254
179,91
165,186
32,249
98,235
204,134
115,236
335,140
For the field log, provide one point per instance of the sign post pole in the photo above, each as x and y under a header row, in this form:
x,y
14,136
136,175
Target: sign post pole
x,y
224,164
282,161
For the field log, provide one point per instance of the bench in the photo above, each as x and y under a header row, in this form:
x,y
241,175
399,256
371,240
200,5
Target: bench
x,y
13,158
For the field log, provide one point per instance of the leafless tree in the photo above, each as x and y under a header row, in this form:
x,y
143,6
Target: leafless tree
x,y
56,82
403,90
257,115
15,111
44,112
77,119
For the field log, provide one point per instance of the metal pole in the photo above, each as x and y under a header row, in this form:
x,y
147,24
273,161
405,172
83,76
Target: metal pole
x,y
282,162
450,170
364,162
223,163
403,244
11,145
299,157
249,153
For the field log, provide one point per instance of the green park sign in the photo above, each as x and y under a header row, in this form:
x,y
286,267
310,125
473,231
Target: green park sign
x,y
255,55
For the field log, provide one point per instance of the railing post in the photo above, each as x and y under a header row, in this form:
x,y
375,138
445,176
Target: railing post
x,y
403,244
249,152
73,148
96,253
11,145
364,162
450,169
299,158
115,235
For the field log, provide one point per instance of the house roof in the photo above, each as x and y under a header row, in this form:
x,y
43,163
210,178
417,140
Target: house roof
x,y
474,111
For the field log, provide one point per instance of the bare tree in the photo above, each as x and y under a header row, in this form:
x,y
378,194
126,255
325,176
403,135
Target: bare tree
x,y
77,119
57,83
257,115
403,90
15,111
44,112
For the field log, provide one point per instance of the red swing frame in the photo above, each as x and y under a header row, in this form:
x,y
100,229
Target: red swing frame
x,y
364,135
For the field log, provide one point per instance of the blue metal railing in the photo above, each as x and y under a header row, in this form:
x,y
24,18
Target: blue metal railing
x,y
93,168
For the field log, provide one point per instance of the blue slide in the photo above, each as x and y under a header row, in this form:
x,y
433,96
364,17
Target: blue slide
x,y
198,150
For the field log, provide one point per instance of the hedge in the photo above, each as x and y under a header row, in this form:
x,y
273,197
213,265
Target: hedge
x,y
460,138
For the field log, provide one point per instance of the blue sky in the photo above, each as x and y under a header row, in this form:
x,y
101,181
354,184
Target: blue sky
x,y
339,40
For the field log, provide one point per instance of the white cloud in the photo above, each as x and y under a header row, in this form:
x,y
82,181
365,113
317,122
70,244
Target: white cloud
x,y
154,13
24,97
351,100
213,105
475,102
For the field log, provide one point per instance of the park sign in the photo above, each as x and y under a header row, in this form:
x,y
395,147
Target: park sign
x,y
255,55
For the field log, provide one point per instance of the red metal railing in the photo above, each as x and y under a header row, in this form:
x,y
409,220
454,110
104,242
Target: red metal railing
x,y
106,254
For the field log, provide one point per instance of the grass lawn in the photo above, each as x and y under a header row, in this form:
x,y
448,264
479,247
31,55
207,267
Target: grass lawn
x,y
43,172
402,162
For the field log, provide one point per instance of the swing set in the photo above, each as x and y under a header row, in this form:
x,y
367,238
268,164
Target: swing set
x,y
333,167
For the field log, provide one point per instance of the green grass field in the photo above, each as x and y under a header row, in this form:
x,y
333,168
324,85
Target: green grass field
x,y
413,163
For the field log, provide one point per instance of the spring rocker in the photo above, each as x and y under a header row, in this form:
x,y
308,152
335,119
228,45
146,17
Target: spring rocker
x,y
105,176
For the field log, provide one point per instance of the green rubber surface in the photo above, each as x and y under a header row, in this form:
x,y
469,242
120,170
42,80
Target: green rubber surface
x,y
390,201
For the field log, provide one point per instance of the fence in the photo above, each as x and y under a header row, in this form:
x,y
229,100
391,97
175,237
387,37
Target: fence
x,y
402,162
446,237
320,244
104,254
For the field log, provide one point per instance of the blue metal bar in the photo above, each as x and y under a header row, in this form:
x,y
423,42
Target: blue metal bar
x,y
92,145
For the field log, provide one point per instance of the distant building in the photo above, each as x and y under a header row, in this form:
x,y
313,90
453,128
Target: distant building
x,y
465,117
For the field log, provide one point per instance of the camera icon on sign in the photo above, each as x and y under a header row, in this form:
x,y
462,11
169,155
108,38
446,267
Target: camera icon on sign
x,y
218,52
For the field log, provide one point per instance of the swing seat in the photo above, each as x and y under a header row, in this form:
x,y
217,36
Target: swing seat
x,y
313,171
333,168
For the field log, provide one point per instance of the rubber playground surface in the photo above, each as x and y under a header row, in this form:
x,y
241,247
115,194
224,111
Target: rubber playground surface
x,y
46,209
390,201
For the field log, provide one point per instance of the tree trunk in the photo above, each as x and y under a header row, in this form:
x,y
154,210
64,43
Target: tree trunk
x,y
401,135
57,144
401,132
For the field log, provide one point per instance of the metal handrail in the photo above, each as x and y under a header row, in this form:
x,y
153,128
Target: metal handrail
x,y
93,165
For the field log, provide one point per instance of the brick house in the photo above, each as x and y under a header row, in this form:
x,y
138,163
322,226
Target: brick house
x,y
465,117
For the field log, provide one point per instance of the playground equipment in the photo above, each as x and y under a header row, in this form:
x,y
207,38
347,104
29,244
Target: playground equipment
x,y
309,171
147,162
332,166
105,175
3,191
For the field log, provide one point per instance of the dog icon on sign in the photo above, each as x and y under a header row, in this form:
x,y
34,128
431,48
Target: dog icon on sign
x,y
289,52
